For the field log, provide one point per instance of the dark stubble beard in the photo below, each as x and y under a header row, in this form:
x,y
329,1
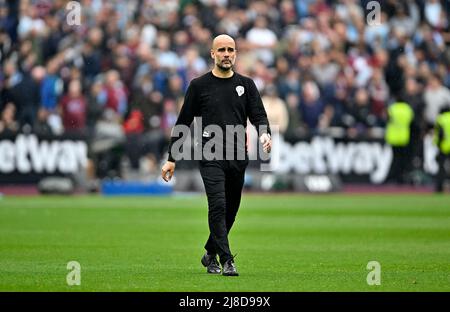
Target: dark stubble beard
x,y
224,69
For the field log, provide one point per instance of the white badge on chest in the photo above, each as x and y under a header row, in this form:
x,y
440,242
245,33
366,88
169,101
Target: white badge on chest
x,y
240,90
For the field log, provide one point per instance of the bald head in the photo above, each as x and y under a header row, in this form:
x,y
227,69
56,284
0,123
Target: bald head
x,y
223,40
223,52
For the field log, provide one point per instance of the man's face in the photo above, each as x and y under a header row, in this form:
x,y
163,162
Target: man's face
x,y
224,53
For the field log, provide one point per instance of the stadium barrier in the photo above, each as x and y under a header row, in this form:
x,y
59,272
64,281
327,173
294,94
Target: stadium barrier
x,y
27,159
306,164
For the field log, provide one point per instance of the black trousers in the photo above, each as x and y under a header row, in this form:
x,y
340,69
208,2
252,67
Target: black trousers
x,y
223,182
442,173
401,164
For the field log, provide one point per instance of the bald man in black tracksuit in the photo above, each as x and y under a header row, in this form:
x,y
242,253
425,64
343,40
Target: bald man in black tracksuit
x,y
222,97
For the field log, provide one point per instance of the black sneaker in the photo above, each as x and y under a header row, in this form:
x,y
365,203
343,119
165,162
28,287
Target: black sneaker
x,y
211,264
229,268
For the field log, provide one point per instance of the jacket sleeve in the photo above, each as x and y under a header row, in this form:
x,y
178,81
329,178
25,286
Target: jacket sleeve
x,y
188,111
255,110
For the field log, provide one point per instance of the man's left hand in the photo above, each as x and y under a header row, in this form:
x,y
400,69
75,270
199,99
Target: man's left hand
x,y
266,141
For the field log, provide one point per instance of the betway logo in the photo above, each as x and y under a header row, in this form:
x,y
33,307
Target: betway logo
x,y
322,155
26,154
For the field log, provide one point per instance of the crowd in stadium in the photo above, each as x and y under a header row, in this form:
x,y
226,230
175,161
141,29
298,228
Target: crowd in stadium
x,y
121,74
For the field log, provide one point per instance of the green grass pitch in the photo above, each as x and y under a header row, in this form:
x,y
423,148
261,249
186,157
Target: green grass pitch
x,y
283,242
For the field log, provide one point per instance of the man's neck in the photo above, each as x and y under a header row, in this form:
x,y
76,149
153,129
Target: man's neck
x,y
222,74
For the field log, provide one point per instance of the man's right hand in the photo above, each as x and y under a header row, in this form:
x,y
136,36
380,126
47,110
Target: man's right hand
x,y
167,171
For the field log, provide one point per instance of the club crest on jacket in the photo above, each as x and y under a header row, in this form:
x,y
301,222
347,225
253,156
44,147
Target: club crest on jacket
x,y
240,90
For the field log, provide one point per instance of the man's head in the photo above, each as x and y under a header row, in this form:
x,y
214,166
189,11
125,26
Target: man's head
x,y
434,81
75,87
223,52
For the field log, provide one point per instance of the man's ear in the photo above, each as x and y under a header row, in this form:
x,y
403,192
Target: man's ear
x,y
212,53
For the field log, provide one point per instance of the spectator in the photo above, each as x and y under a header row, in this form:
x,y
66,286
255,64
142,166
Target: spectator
x,y
193,63
41,126
275,109
133,128
379,96
52,86
435,14
294,129
263,40
436,96
377,35
73,108
406,17
91,61
8,23
337,97
26,103
166,58
95,103
8,125
311,105
175,87
412,94
360,111
324,70
115,93
30,22
289,83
